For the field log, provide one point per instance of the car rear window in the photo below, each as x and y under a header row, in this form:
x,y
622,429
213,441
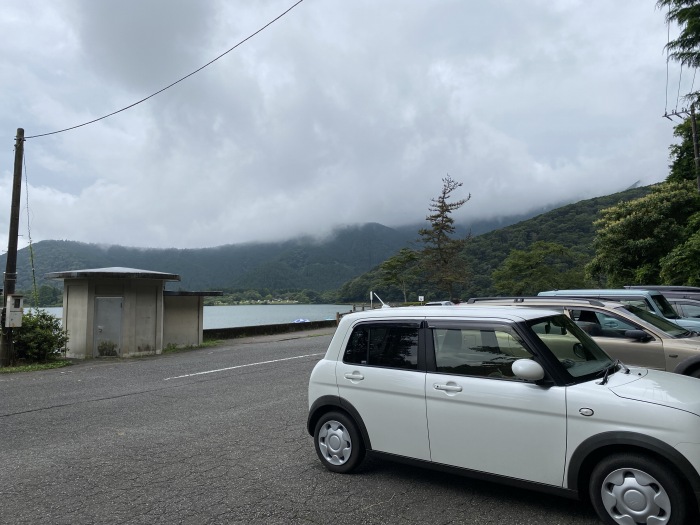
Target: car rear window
x,y
383,344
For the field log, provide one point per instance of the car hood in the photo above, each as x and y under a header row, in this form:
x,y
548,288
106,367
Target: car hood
x,y
659,388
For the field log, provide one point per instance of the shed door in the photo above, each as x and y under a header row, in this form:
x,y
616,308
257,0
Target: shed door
x,y
108,327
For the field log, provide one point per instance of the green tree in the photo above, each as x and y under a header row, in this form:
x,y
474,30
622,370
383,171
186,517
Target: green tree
x,y
686,13
682,265
400,270
543,266
441,256
633,237
681,154
40,337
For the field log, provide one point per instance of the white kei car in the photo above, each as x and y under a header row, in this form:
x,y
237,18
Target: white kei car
x,y
511,394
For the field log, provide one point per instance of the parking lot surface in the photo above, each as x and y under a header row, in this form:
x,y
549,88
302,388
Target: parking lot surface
x,y
216,436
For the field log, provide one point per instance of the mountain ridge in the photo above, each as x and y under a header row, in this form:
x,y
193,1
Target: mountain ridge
x,y
306,262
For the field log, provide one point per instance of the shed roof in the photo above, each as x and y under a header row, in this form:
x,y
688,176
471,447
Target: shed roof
x,y
113,273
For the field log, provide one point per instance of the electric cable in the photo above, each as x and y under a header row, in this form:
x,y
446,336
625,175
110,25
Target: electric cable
x,y
680,78
668,41
174,83
29,234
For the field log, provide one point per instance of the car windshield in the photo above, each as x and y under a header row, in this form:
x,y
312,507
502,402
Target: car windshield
x,y
574,349
665,307
667,326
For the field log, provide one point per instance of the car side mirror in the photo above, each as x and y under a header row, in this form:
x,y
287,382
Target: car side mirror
x,y
638,335
528,370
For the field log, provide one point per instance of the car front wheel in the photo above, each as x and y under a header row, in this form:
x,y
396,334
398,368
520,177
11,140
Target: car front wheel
x,y
338,442
631,489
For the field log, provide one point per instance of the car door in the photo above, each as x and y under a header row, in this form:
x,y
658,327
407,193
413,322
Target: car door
x,y
610,336
481,418
380,376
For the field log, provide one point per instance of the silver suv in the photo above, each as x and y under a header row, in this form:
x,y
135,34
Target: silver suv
x,y
651,300
632,334
510,394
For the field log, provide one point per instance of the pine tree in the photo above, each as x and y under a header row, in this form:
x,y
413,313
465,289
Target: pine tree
x,y
441,256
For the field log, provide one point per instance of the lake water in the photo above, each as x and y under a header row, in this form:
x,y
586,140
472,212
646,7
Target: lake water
x,y
258,314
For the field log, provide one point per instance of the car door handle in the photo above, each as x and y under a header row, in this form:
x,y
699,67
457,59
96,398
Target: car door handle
x,y
354,376
450,387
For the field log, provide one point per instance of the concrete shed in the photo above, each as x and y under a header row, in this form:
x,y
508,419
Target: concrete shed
x,y
124,312
183,317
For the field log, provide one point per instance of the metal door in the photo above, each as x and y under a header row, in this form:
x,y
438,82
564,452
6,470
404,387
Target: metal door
x,y
108,327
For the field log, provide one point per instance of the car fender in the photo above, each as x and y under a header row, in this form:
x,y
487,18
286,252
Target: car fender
x,y
687,365
596,447
327,403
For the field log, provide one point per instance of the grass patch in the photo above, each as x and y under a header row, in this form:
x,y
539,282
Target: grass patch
x,y
171,349
58,363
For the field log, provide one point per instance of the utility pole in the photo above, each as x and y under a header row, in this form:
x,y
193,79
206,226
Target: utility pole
x,y
11,266
695,144
684,113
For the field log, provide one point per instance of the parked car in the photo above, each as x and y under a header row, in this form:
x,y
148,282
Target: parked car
x,y
688,308
440,303
651,300
510,394
634,335
680,292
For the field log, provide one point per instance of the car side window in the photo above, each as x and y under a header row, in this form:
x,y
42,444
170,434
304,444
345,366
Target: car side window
x,y
689,310
475,352
639,303
599,324
383,344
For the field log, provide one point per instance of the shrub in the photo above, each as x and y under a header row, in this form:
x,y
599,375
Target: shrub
x,y
40,337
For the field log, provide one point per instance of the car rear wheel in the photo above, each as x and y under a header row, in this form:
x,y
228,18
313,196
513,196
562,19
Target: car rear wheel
x,y
338,442
632,489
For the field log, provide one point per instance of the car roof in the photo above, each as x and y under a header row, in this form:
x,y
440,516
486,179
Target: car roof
x,y
544,300
677,299
623,292
503,312
664,288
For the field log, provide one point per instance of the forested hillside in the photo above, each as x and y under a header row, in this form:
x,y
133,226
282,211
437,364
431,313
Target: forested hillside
x,y
304,263
345,262
570,225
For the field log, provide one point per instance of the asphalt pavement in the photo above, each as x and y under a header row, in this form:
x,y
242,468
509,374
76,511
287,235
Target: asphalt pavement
x,y
215,436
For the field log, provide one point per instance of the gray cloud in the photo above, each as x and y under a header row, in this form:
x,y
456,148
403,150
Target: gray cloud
x,y
340,113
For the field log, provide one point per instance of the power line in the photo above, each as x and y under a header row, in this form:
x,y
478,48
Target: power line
x,y
174,83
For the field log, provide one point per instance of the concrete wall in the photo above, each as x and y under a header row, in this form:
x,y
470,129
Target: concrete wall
x,y
267,329
183,320
76,318
141,315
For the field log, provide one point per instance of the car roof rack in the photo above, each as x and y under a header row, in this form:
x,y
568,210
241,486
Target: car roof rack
x,y
552,299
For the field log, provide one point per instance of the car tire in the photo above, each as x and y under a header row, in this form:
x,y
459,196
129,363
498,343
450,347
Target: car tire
x,y
694,372
338,443
635,488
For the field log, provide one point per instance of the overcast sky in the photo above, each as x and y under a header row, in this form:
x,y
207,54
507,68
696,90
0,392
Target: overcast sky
x,y
341,112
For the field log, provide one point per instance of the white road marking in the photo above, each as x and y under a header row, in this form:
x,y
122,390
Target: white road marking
x,y
244,366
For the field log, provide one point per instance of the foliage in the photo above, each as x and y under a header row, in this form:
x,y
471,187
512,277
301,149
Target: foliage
x,y
306,263
570,226
681,155
46,295
34,367
633,237
400,270
682,266
544,265
40,338
686,13
441,257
